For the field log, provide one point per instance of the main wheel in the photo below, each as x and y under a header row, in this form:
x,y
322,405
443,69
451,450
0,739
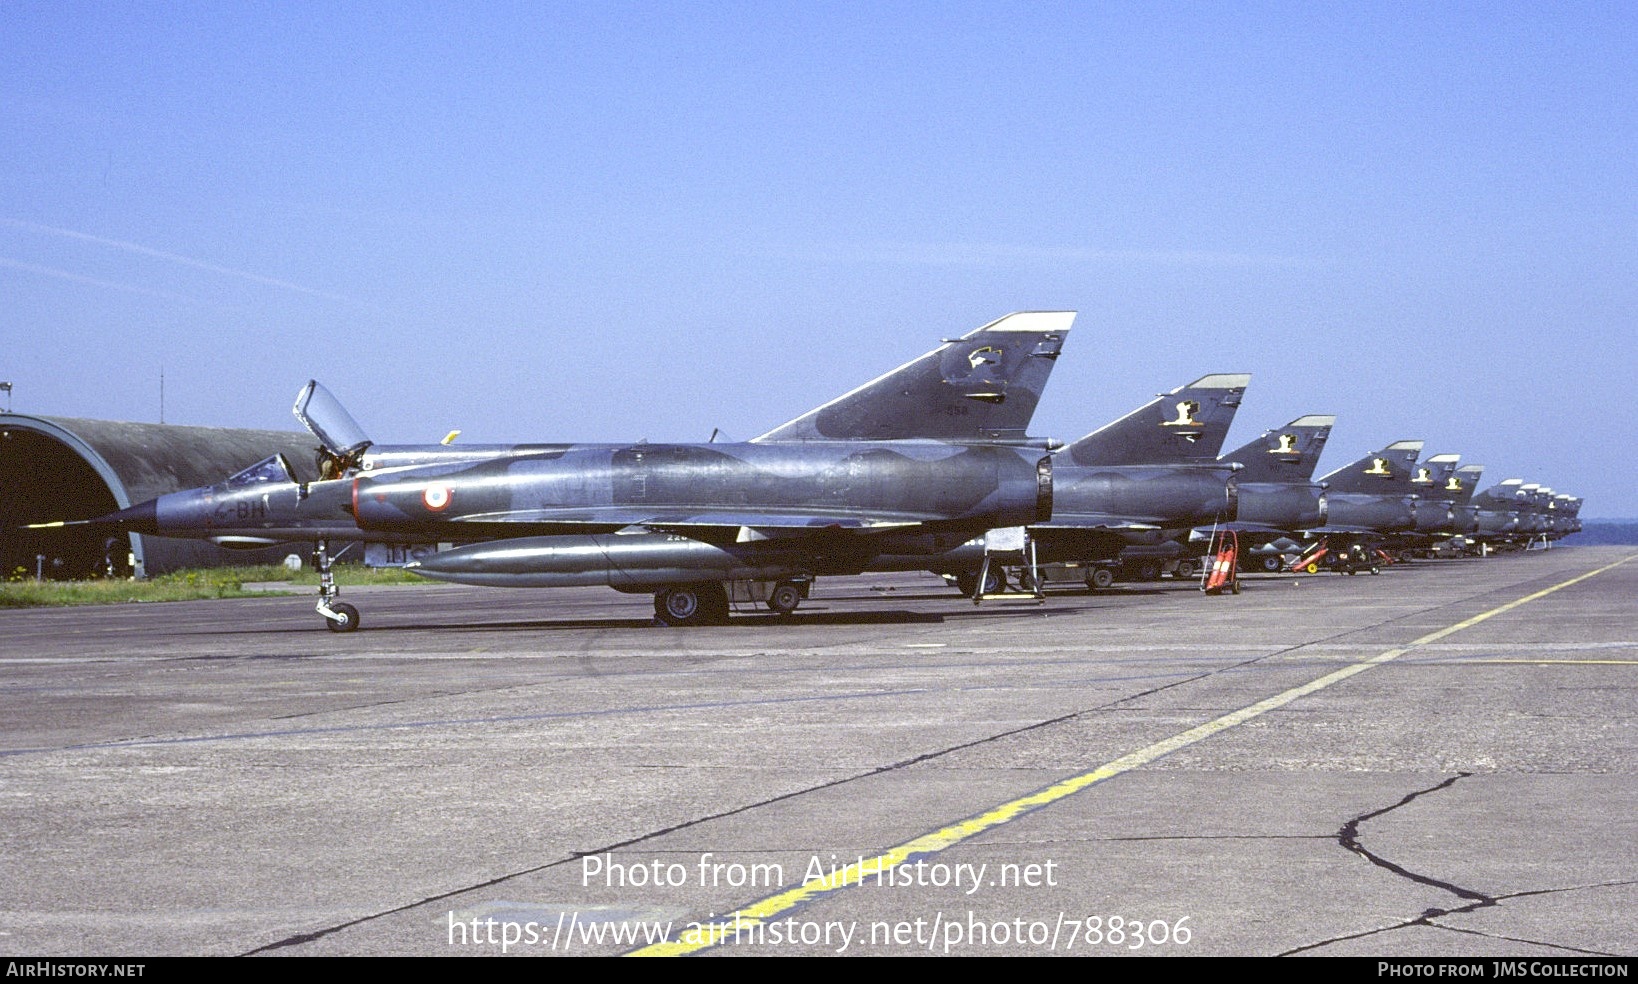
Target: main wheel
x,y
1272,563
784,598
349,618
1100,578
1187,569
993,581
691,604
1149,570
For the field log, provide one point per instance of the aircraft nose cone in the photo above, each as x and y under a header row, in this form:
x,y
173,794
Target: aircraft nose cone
x,y
140,518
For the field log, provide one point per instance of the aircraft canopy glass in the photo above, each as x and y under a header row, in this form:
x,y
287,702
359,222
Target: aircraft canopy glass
x,y
265,472
323,415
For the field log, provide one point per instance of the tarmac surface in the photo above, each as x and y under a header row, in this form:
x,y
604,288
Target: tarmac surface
x,y
1441,760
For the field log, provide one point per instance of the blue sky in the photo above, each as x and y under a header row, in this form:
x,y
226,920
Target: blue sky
x,y
604,221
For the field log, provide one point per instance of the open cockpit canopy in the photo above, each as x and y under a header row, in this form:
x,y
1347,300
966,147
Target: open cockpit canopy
x,y
324,416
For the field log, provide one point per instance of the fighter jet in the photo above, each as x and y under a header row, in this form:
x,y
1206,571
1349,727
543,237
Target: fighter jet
x,y
1499,510
1551,522
915,462
1569,515
1465,512
1277,494
1365,501
1535,519
1144,480
1509,514
1433,510
1441,509
1135,488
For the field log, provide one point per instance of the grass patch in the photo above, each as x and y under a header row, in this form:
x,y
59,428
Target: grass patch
x,y
189,585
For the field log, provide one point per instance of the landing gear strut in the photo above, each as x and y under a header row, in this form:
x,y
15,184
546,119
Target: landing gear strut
x,y
338,617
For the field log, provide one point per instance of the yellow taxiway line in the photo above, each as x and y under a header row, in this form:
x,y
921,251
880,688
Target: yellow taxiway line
x,y
704,935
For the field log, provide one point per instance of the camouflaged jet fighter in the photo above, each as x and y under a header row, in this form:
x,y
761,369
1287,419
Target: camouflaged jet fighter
x,y
1499,509
916,461
1144,480
1277,494
1440,508
1134,489
1366,500
1569,515
1464,513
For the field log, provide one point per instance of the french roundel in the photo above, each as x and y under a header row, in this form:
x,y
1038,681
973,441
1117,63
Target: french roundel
x,y
437,497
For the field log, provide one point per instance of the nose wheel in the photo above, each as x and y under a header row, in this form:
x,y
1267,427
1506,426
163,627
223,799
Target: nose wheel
x,y
338,616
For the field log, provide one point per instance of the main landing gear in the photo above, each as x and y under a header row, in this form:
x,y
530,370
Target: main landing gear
x,y
784,597
338,616
692,604
709,602
994,582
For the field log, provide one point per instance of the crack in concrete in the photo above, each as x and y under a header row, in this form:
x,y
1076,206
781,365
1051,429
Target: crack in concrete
x,y
1426,919
1516,939
1348,837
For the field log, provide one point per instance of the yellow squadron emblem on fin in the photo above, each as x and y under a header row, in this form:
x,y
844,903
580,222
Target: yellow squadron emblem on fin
x,y
980,356
1186,409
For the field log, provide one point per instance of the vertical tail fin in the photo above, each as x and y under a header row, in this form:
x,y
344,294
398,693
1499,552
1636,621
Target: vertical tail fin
x,y
1388,471
1183,426
1502,495
1433,476
983,386
1288,454
1464,483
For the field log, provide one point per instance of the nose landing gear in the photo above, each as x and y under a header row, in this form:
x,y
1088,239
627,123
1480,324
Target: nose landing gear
x,y
338,616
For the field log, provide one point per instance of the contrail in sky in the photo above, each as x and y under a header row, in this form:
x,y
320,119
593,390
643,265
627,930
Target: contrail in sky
x,y
172,257
995,254
93,281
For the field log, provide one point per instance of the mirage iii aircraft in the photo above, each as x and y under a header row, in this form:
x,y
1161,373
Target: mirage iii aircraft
x,y
1277,494
1366,500
916,461
1139,485
1142,481
1440,508
1514,514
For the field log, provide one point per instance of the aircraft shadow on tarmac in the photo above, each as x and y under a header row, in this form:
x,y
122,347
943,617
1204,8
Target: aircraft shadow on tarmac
x,y
746,621
758,620
959,611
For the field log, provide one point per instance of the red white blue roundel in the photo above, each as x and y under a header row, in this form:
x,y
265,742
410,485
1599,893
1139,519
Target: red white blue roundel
x,y
436,497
